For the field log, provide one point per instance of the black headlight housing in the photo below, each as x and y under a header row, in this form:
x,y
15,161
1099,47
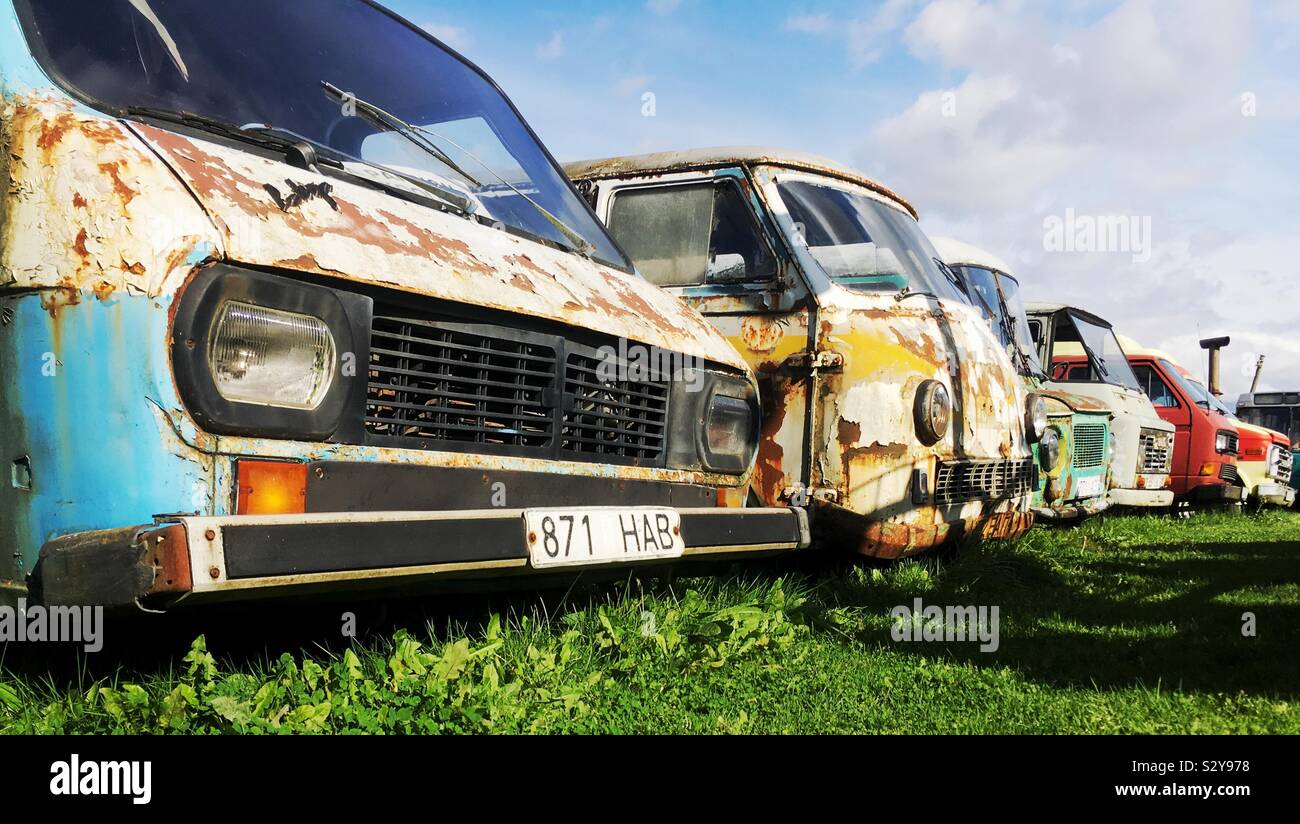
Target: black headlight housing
x,y
199,309
713,422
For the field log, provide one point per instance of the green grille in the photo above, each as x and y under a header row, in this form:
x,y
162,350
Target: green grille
x,y
1089,445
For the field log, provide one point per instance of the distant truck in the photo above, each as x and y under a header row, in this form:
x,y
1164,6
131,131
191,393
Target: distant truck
x,y
1280,413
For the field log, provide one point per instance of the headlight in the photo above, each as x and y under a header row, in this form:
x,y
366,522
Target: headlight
x,y
933,412
1035,417
728,427
269,357
1049,450
1223,442
714,422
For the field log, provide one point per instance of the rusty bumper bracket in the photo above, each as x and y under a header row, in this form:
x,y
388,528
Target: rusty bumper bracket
x,y
142,567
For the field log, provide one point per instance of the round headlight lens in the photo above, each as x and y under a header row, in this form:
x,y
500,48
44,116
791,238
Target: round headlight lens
x,y
1049,450
933,412
1035,417
270,357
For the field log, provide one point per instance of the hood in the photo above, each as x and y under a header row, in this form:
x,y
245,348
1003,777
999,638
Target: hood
x,y
1259,435
1075,402
891,346
274,215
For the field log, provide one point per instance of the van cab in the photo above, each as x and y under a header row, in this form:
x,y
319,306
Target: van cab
x,y
887,403
1074,454
1085,358
1206,444
1279,414
292,300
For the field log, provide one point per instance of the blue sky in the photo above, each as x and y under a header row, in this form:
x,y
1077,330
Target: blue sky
x,y
992,116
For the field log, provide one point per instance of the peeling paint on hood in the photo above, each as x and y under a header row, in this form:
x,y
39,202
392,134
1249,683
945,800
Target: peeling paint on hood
x,y
275,215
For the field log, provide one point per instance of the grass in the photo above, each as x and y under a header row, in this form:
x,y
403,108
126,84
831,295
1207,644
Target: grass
x,y
1127,625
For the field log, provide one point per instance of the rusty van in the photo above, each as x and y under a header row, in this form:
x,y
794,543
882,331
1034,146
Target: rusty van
x,y
1085,358
1074,453
293,301
887,404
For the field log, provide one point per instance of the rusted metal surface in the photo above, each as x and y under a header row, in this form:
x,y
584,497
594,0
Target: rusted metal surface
x,y
839,370
168,552
274,215
660,163
89,211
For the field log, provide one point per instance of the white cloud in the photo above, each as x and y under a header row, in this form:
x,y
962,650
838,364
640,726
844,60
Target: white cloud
x,y
552,49
1135,112
865,38
454,36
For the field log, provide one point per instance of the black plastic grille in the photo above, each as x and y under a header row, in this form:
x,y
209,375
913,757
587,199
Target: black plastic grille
x,y
1234,444
1228,472
960,482
611,412
442,382
1089,445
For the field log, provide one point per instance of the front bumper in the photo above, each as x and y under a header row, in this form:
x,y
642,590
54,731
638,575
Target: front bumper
x,y
1073,512
1141,497
199,560
1273,495
1215,495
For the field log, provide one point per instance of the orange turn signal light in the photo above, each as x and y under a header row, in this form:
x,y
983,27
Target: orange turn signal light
x,y
731,497
271,488
1207,470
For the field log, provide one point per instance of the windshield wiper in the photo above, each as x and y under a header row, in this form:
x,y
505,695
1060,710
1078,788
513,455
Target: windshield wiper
x,y
908,292
415,135
466,206
282,140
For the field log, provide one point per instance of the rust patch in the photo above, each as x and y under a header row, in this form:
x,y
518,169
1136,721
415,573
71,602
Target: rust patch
x,y
761,333
769,476
59,297
114,170
850,432
78,202
79,245
103,291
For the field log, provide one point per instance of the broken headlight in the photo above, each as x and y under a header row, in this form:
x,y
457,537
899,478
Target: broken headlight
x,y
714,423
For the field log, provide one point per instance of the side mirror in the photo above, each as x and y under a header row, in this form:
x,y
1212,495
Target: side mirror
x,y
726,267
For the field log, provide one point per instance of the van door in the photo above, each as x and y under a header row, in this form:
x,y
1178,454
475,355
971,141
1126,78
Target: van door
x,y
705,237
1170,407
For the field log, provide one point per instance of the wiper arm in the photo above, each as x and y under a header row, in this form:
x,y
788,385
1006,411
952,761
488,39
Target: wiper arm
x,y
414,134
908,292
464,205
392,123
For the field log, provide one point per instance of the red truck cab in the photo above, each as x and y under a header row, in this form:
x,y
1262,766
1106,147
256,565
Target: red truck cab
x,y
1206,443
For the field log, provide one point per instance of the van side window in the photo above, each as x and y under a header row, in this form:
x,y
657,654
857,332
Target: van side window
x,y
1154,386
691,234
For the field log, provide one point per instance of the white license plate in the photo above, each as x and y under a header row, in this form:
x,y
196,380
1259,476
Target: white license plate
x,y
1089,487
576,537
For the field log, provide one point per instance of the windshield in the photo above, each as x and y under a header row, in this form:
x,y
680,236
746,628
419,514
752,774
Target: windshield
x,y
247,62
1099,343
1007,318
1280,418
1197,391
863,243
